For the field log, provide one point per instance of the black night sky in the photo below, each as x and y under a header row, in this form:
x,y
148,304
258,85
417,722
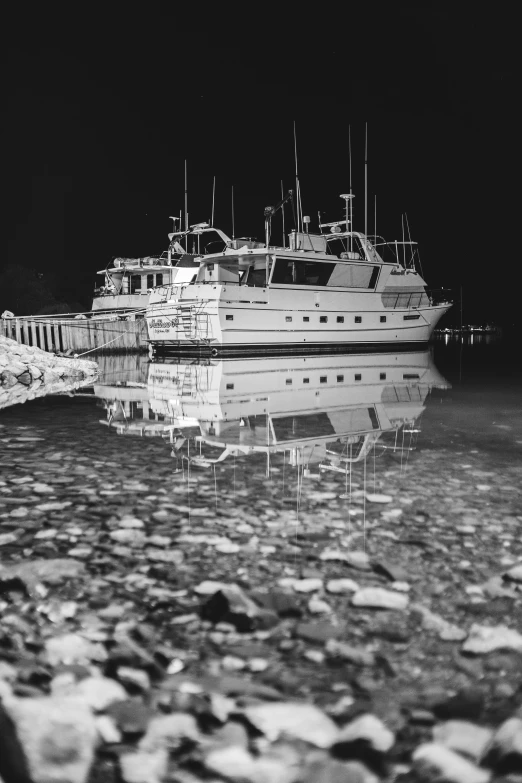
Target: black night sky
x,y
102,114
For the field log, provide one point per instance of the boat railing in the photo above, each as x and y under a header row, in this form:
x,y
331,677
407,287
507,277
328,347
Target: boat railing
x,y
429,297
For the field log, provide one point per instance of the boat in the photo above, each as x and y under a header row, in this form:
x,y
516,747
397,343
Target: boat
x,y
128,282
116,322
336,289
327,410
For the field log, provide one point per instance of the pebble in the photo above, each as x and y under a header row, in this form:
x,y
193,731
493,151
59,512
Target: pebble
x,y
307,585
293,719
464,737
433,762
58,736
337,586
370,729
377,498
380,598
483,639
143,767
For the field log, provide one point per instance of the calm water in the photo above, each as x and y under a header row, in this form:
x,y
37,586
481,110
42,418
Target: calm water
x,y
298,436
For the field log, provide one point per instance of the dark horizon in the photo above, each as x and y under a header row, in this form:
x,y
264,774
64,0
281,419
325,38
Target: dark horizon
x,y
99,132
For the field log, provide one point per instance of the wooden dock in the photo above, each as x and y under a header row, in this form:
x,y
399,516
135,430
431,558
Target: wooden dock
x,y
77,335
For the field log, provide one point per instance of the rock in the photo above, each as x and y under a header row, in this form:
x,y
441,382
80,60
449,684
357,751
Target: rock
x,y
131,717
51,571
281,602
168,732
376,498
337,586
370,729
465,738
330,770
293,719
136,677
131,523
318,631
514,574
484,639
392,571
356,559
99,692
238,765
73,648
346,652
434,762
58,736
433,622
467,704
317,606
130,536
13,762
307,585
504,752
144,767
108,730
232,605
209,587
379,598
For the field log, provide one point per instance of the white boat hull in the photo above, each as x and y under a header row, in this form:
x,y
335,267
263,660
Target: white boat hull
x,y
276,320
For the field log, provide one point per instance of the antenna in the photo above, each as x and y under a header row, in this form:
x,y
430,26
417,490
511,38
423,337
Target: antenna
x,y
366,179
297,188
186,200
213,199
375,218
347,208
403,242
233,224
350,169
283,212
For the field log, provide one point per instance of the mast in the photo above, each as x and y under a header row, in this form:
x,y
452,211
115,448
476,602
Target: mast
x,y
350,171
297,189
213,199
233,224
186,199
283,212
366,179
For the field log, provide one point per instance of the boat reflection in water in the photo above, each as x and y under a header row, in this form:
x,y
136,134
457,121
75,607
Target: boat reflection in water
x,y
328,411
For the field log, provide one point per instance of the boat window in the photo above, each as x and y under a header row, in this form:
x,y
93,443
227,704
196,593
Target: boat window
x,y
255,277
150,281
288,381
340,319
350,245
411,317
323,319
382,319
306,317
340,378
159,278
358,319
288,318
358,377
288,272
135,286
382,376
354,276
306,380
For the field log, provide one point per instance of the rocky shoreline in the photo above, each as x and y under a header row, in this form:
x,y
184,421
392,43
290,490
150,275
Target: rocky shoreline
x,y
191,628
27,372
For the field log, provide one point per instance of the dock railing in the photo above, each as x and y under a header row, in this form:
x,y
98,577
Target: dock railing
x,y
74,335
